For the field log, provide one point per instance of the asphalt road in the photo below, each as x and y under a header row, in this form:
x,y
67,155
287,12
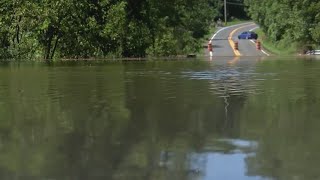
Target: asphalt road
x,y
223,42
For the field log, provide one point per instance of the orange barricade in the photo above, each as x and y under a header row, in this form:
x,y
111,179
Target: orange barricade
x,y
236,45
210,49
258,43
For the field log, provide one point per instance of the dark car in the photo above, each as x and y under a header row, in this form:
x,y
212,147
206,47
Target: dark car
x,y
248,35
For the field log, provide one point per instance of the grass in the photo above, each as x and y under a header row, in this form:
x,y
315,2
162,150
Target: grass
x,y
212,30
237,21
205,39
282,48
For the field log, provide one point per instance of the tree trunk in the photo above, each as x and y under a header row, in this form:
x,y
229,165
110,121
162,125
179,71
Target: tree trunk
x,y
18,30
55,47
49,37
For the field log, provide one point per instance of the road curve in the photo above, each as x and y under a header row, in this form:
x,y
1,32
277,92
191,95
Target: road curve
x,y
223,42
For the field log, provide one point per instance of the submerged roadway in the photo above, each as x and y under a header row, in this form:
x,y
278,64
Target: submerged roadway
x,y
223,42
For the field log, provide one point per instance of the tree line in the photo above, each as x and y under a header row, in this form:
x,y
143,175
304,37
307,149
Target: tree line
x,y
287,21
103,28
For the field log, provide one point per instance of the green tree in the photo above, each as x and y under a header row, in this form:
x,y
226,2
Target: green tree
x,y
287,21
99,28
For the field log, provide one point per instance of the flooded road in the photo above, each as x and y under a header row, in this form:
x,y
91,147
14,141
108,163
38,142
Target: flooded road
x,y
243,118
223,42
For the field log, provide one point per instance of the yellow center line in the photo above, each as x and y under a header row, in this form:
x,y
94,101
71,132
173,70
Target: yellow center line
x,y
231,42
234,60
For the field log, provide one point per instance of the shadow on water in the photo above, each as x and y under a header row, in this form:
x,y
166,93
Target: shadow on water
x,y
240,118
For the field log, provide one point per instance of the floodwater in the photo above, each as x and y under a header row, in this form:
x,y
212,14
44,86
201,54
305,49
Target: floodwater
x,y
225,119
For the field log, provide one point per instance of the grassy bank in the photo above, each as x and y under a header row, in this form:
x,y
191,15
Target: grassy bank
x,y
205,40
237,21
281,48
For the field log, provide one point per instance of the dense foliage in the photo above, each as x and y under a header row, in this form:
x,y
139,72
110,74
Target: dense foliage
x,y
288,20
100,28
236,9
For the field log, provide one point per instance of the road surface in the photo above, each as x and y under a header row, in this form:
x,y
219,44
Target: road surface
x,y
223,42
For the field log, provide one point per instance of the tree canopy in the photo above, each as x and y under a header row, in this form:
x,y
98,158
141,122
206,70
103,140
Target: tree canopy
x,y
288,20
100,28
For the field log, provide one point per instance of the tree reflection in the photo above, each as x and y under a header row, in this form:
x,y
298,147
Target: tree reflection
x,y
288,122
157,120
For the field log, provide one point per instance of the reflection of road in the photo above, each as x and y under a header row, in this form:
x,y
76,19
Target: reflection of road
x,y
231,79
223,42
181,116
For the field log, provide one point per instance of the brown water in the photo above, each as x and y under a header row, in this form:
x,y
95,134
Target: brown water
x,y
242,119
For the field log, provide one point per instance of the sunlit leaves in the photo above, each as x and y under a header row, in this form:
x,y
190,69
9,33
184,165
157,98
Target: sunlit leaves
x,y
287,20
115,25
83,29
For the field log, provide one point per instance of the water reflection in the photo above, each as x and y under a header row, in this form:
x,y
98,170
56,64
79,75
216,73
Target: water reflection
x,y
221,158
172,120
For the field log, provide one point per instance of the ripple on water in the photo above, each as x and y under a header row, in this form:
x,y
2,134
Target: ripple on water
x,y
229,81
